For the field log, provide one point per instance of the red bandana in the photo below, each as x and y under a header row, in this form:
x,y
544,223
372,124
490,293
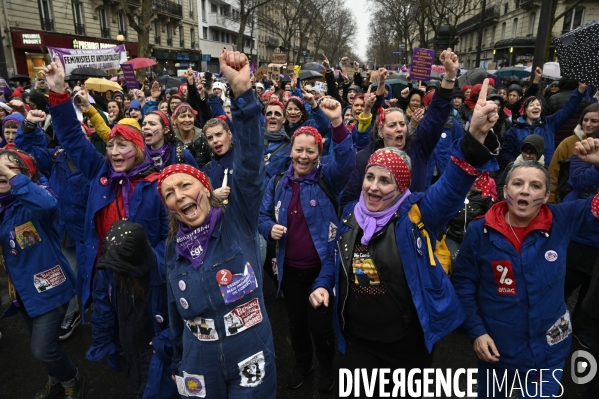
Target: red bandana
x,y
395,164
310,130
482,183
182,168
128,133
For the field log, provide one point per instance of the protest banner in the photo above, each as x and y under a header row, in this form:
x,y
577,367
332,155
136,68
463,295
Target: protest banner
x,y
422,61
104,58
129,74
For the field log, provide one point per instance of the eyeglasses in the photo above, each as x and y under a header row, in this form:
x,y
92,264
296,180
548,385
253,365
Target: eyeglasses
x,y
529,151
276,113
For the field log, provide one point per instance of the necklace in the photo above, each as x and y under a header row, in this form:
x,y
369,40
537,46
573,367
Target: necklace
x,y
511,228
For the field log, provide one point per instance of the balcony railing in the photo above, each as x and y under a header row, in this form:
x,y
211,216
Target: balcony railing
x,y
181,43
169,41
105,32
80,29
47,24
156,39
491,15
527,4
167,7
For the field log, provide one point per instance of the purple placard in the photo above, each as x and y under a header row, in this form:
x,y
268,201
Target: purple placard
x,y
422,61
129,74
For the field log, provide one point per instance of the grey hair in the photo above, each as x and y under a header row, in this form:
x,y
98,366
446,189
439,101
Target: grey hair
x,y
530,164
402,154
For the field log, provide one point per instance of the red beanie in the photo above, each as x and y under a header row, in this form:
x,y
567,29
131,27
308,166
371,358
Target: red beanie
x,y
427,99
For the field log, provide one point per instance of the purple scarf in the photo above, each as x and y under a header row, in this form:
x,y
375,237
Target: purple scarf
x,y
373,222
192,242
123,178
160,156
312,176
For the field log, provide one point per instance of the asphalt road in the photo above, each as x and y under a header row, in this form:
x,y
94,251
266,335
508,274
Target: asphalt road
x,y
21,375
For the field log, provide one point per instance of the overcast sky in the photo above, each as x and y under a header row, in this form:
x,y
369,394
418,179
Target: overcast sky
x,y
362,17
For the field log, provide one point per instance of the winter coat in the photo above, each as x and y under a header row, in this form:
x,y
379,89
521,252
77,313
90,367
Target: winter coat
x,y
195,293
436,303
518,298
276,157
557,102
452,131
320,214
546,128
198,146
476,206
145,205
564,150
419,147
35,264
215,169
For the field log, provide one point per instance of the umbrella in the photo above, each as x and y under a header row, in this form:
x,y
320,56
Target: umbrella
x,y
518,71
578,55
114,78
19,77
166,82
307,74
472,77
140,62
102,85
89,72
313,66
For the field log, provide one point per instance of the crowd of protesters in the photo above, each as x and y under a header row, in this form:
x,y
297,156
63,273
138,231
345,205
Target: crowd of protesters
x,y
164,209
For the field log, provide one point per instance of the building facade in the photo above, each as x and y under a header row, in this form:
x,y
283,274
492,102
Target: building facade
x,y
32,26
509,30
219,24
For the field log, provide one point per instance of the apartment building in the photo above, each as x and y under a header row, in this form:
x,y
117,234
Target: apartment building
x,y
510,27
30,27
218,21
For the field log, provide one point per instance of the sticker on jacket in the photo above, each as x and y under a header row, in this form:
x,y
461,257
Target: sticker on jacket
x,y
239,286
191,385
251,370
203,329
504,277
49,279
27,235
559,330
332,231
243,317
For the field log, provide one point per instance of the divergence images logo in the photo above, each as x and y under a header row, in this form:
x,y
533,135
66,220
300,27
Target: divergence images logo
x,y
584,367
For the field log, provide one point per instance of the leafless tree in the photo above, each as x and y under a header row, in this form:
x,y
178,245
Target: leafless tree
x,y
146,16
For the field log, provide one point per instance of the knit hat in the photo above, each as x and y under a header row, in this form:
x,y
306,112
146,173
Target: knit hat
x,y
466,87
260,85
394,163
427,99
118,93
456,92
17,118
355,88
129,129
134,104
517,88
183,168
313,132
535,141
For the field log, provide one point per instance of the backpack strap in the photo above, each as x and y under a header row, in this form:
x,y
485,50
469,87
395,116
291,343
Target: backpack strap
x,y
416,218
325,188
279,148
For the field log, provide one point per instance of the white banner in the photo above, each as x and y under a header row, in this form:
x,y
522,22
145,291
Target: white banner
x,y
104,59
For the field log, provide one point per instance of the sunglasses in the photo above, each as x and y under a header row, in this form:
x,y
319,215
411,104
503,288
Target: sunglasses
x,y
276,113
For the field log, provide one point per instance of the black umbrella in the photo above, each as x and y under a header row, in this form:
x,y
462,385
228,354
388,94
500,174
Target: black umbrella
x,y
578,55
313,66
472,77
166,82
310,75
89,72
19,77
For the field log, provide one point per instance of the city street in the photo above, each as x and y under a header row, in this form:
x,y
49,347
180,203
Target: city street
x,y
21,375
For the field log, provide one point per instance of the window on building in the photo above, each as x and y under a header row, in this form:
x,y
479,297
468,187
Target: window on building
x,y
122,22
493,31
104,23
532,19
515,28
204,10
213,8
192,36
190,4
573,19
181,37
46,15
484,37
205,33
502,31
506,7
156,26
78,18
215,35
169,35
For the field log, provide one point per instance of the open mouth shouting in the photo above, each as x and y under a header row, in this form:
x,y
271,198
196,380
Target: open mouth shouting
x,y
190,210
218,148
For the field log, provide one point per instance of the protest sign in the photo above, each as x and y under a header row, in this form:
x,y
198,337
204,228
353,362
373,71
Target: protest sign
x,y
104,58
422,61
129,74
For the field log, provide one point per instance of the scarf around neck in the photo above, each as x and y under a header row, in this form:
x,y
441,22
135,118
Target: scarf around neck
x,y
161,156
277,136
124,179
192,242
373,222
312,176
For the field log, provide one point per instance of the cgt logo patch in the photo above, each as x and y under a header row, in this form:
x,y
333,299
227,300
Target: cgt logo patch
x,y
504,277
